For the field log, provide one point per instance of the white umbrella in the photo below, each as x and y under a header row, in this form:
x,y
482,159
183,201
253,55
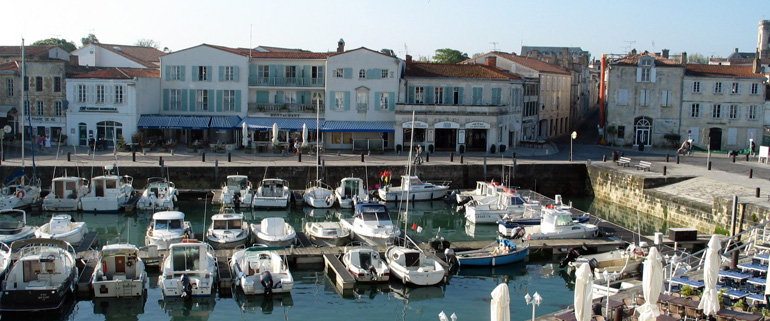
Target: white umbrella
x,y
501,301
245,133
652,284
584,282
275,134
304,135
709,303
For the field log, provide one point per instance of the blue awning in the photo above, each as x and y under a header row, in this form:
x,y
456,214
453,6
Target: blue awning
x,y
191,122
294,124
154,121
173,122
225,122
358,126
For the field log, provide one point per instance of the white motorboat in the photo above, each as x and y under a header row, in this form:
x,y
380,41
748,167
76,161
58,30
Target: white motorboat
x,y
260,270
413,266
19,192
237,191
228,230
63,227
351,191
371,224
483,190
121,272
273,231
507,202
5,259
167,228
43,277
558,223
319,195
620,261
414,189
189,270
12,229
159,195
109,192
327,233
365,264
65,194
272,193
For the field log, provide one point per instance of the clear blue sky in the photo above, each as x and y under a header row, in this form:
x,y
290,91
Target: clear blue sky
x,y
706,27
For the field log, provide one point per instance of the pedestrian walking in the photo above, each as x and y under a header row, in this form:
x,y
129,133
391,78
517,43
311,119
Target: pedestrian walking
x,y
418,155
47,143
297,147
40,142
291,145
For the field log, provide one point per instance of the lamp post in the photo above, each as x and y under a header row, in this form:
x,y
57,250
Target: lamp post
x,y
534,301
609,277
573,136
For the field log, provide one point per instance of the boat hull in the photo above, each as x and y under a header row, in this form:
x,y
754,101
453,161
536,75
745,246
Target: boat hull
x,y
61,205
119,288
395,195
492,260
38,300
102,204
260,202
73,237
228,244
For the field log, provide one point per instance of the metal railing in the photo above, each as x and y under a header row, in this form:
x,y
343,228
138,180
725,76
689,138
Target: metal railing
x,y
286,81
289,108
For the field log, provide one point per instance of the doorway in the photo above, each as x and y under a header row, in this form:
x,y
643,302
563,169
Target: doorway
x,y
476,139
715,138
82,134
642,130
446,139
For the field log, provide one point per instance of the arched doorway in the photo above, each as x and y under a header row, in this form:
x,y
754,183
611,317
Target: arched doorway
x,y
715,138
642,131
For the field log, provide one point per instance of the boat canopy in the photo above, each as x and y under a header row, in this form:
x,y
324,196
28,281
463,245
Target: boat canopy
x,y
168,215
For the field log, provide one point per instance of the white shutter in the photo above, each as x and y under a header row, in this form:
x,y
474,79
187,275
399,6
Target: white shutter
x,y
652,74
623,97
732,136
694,134
638,74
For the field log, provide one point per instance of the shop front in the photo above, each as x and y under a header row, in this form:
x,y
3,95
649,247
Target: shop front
x,y
420,131
446,135
476,133
45,126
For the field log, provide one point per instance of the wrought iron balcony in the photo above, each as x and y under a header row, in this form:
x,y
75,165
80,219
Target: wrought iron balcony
x,y
255,108
286,82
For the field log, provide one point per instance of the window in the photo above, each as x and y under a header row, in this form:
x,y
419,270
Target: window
x,y
317,99
229,73
752,112
40,109
384,73
754,89
716,111
696,86
735,88
176,73
118,94
316,75
644,99
384,101
202,100
645,74
339,100
38,83
289,97
57,84
361,99
176,99
9,86
665,98
645,62
621,131
718,88
57,108
229,100
362,74
263,72
203,73
623,97
419,95
477,94
497,98
100,94
438,92
734,112
290,72
456,96
695,110
26,107
339,73
342,138
81,93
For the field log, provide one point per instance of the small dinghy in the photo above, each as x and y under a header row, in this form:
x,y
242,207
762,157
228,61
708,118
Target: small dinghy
x,y
365,264
273,231
501,252
63,227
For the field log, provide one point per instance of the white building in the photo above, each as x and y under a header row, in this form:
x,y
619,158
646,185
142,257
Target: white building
x,y
106,103
107,55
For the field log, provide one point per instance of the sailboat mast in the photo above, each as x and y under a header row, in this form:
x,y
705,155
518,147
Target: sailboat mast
x,y
408,166
23,101
317,135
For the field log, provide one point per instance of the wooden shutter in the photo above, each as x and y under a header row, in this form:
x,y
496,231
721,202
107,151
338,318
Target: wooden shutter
x,y
348,73
263,96
237,99
411,95
347,100
181,69
332,101
209,70
165,99
279,97
193,106
220,99
168,73
429,99
194,73
221,73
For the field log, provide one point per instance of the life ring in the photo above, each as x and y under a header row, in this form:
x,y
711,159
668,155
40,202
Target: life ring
x,y
20,194
129,263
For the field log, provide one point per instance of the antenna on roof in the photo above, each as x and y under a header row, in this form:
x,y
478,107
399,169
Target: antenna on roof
x,y
630,45
494,45
251,26
406,49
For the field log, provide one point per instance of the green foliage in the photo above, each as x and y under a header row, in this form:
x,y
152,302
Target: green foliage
x,y
68,46
740,304
687,291
721,230
696,58
91,38
149,43
449,56
720,296
121,142
765,312
755,218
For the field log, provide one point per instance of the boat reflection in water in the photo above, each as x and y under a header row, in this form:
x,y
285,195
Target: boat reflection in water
x,y
262,303
370,290
481,231
193,309
67,312
417,293
126,308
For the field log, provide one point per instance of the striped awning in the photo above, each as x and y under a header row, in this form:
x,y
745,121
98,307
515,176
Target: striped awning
x,y
358,126
294,124
154,121
225,122
173,122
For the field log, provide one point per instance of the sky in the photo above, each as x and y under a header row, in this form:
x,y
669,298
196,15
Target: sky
x,y
416,27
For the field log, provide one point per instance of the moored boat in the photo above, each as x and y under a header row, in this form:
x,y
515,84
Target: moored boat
x,y
236,191
272,193
319,195
273,231
159,195
351,191
558,223
371,224
365,264
260,270
327,233
120,273
189,269
501,252
63,227
109,192
228,230
12,229
414,189
412,266
19,191
166,228
65,194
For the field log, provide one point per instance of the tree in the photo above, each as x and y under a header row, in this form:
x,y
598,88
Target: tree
x,y
449,56
91,38
149,43
68,46
697,58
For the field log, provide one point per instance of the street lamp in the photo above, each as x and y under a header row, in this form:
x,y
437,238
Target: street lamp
x,y
534,301
573,136
606,276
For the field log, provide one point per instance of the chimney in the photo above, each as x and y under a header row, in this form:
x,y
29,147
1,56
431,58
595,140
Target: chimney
x,y
633,51
74,60
757,66
684,58
665,53
408,59
491,61
341,46
736,49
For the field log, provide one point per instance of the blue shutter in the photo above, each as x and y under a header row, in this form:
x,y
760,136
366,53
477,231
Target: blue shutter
x,y
392,101
184,100
348,73
273,74
377,100
496,96
411,95
347,100
194,73
263,97
209,70
193,107
279,97
429,99
165,99
220,98
306,75
168,73
221,73
211,98
237,99
182,69
461,96
448,92
235,74
369,74
253,74
301,97
331,102
478,95
377,73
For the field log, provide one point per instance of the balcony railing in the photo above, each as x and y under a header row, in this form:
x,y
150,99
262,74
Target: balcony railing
x,y
284,108
361,108
286,82
453,109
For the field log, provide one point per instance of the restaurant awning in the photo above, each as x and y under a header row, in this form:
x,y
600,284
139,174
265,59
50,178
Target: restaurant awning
x,y
358,126
293,124
173,122
225,122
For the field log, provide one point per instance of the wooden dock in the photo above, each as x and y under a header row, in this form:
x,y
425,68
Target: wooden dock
x,y
224,274
342,278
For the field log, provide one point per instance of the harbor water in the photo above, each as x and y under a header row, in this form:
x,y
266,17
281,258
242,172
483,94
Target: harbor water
x,y
314,297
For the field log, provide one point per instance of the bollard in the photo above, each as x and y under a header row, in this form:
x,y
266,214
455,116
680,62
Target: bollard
x,y
604,158
664,170
757,195
733,158
677,159
160,161
461,158
747,157
69,159
751,173
514,155
709,166
299,157
362,157
203,157
229,157
319,160
667,158
451,157
133,156
427,157
216,169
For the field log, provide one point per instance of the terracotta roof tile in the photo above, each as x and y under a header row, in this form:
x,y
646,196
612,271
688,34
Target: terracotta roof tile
x,y
28,50
278,49
120,73
281,54
427,70
529,63
146,56
633,60
721,71
10,66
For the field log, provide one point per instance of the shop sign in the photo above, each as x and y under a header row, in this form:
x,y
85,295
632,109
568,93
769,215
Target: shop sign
x,y
417,124
477,125
279,115
99,109
39,119
446,124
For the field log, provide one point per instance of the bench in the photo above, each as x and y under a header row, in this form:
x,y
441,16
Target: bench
x,y
644,165
624,161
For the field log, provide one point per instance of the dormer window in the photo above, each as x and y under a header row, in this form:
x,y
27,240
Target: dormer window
x,y
646,62
646,71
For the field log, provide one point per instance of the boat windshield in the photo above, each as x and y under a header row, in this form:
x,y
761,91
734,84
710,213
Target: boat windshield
x,y
227,224
415,181
564,220
238,182
168,224
186,258
375,214
517,200
10,227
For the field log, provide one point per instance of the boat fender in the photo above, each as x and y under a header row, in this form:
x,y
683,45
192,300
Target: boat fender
x,y
104,266
266,278
20,194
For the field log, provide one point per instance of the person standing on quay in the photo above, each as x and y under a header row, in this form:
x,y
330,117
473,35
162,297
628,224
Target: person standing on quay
x,y
418,155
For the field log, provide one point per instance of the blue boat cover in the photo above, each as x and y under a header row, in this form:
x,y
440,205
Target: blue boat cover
x,y
16,174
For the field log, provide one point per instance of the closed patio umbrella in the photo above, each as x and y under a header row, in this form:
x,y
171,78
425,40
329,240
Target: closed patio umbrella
x,y
652,284
500,303
584,281
304,135
275,133
245,133
710,301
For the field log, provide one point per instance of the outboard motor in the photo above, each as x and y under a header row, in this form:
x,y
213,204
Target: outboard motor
x,y
449,255
237,200
373,271
186,286
452,196
572,255
517,233
266,278
464,200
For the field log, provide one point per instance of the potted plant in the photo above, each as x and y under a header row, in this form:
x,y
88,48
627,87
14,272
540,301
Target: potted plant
x,y
502,148
673,139
462,148
399,148
121,144
492,149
